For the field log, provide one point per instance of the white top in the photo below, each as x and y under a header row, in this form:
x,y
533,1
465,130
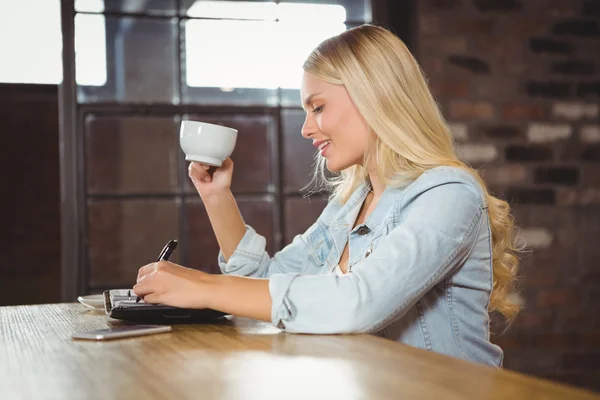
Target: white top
x,y
339,271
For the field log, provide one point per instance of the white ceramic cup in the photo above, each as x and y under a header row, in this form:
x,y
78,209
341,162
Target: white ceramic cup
x,y
206,143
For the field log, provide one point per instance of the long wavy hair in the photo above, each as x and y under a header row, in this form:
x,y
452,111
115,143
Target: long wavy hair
x,y
410,134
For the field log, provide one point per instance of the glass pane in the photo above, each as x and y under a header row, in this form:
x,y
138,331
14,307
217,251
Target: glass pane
x,y
251,59
126,59
30,42
308,10
295,43
125,235
242,57
150,7
131,155
355,10
258,10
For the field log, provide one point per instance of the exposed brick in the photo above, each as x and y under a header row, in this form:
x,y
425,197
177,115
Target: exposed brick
x,y
469,25
433,66
497,88
537,238
590,133
444,45
574,67
552,90
540,277
590,175
500,131
557,175
527,153
506,174
534,319
429,25
544,133
530,361
575,110
530,195
472,64
523,26
476,153
591,153
558,8
577,27
588,89
523,111
566,196
546,45
582,361
591,7
459,130
460,109
553,217
450,89
557,297
565,340
590,196
497,5
445,4
575,316
589,218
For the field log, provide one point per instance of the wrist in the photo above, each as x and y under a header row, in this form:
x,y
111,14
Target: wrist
x,y
216,198
213,285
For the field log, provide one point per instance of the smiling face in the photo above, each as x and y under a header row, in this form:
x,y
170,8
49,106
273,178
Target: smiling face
x,y
333,123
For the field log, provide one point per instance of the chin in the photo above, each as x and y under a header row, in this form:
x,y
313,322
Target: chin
x,y
334,167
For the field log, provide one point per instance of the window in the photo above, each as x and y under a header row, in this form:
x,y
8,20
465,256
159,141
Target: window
x,y
30,42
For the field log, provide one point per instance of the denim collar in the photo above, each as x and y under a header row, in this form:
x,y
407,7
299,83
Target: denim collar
x,y
346,217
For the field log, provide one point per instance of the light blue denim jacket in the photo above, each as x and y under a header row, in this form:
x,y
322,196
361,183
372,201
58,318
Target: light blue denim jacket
x,y
421,268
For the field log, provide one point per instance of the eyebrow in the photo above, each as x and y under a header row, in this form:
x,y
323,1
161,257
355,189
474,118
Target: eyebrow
x,y
309,98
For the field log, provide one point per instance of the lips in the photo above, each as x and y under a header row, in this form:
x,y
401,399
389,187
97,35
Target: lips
x,y
320,144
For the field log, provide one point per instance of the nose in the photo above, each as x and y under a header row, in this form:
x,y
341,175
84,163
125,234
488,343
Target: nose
x,y
309,127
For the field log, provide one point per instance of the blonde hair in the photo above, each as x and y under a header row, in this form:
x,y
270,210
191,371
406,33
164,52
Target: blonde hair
x,y
410,134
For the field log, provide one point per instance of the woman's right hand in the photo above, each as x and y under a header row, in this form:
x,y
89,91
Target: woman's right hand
x,y
210,181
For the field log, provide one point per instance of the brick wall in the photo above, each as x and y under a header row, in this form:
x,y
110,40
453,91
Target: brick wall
x,y
519,81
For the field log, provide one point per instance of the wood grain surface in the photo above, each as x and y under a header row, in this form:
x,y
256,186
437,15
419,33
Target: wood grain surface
x,y
234,359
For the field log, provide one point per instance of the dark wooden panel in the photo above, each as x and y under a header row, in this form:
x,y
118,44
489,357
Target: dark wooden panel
x,y
252,157
300,214
30,234
131,155
298,152
203,246
124,235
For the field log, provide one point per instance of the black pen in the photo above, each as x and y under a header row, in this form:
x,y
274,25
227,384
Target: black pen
x,y
164,255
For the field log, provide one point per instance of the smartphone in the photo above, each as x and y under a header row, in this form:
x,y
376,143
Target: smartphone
x,y
121,332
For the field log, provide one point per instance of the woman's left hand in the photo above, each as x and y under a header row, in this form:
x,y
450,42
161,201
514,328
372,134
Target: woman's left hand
x,y
167,283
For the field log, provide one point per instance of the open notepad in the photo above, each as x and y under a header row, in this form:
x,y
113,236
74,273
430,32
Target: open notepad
x,y
121,304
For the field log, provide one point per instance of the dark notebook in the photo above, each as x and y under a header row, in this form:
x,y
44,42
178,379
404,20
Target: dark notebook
x,y
120,304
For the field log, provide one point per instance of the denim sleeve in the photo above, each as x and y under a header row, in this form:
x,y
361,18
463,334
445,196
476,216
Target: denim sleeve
x,y
442,213
250,258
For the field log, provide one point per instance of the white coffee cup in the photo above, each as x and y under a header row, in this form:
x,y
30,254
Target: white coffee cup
x,y
206,143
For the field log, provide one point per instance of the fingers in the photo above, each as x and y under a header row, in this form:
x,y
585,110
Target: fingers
x,y
152,298
145,270
199,172
227,164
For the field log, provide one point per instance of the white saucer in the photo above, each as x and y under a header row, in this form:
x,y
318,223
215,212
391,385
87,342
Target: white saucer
x,y
93,301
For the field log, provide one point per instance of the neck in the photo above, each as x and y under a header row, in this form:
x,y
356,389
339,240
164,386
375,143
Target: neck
x,y
377,186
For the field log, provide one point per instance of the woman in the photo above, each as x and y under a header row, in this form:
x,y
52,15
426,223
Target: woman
x,y
410,246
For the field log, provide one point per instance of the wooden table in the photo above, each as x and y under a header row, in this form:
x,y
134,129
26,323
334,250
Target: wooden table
x,y
234,359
